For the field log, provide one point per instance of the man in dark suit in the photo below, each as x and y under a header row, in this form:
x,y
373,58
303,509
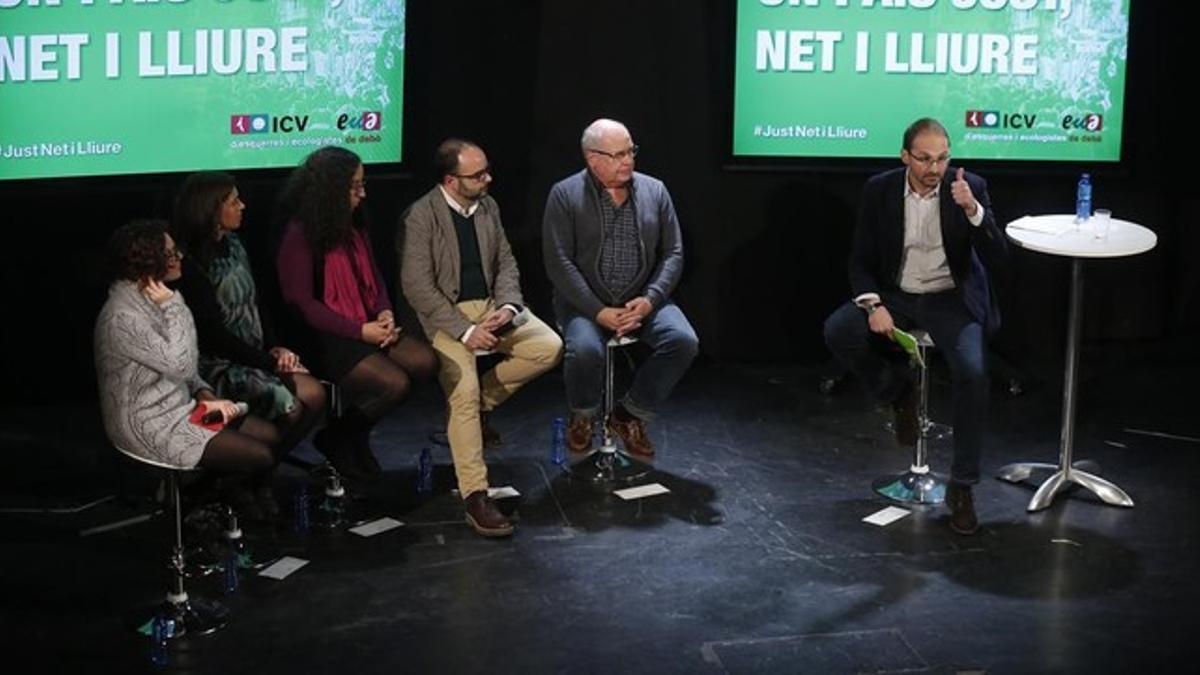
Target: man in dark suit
x,y
925,240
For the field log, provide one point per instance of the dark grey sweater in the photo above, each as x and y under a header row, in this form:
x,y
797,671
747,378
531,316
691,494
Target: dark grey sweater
x,y
573,231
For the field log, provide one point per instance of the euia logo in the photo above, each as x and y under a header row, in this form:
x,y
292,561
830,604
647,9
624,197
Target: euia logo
x,y
1084,122
368,121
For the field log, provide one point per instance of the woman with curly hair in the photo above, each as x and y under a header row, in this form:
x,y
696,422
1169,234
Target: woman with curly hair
x,y
328,275
239,355
154,403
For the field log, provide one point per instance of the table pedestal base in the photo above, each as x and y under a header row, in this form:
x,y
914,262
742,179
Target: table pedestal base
x,y
1059,481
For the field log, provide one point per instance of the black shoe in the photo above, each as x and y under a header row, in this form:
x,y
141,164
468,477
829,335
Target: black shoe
x,y
264,495
336,448
354,427
962,509
906,425
237,494
363,457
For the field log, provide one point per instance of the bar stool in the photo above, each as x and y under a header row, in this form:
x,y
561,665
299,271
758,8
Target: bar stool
x,y
607,465
335,399
918,485
192,615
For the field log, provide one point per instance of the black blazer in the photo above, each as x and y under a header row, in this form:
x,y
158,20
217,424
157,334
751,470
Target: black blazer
x,y
972,252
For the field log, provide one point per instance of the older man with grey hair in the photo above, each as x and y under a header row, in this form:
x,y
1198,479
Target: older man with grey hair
x,y
613,252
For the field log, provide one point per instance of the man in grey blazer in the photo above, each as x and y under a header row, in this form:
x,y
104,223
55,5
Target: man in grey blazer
x,y
613,251
459,275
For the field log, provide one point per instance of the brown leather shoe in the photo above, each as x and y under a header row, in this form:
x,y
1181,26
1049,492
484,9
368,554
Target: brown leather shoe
x,y
633,436
962,509
483,515
906,422
579,434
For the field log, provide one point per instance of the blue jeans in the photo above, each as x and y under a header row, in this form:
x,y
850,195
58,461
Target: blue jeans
x,y
884,370
666,331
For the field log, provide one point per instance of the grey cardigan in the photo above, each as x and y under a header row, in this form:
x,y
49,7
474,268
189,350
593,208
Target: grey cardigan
x,y
431,271
573,232
146,359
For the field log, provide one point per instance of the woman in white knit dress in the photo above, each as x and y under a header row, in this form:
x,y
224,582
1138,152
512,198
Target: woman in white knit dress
x,y
146,359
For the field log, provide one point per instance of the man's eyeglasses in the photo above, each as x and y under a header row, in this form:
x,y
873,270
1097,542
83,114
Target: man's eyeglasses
x,y
174,255
930,161
621,156
478,175
357,185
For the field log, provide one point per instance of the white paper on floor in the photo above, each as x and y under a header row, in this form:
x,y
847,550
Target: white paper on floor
x,y
497,492
281,568
642,491
376,526
886,516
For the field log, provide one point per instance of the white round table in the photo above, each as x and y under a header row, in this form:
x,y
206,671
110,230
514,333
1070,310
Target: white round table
x,y
1059,235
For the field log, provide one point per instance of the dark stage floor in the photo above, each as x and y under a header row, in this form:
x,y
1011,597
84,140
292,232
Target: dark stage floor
x,y
757,561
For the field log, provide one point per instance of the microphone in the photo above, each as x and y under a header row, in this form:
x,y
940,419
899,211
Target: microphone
x,y
213,416
520,319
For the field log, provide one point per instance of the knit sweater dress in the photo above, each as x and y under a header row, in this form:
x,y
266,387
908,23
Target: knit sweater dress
x,y
146,359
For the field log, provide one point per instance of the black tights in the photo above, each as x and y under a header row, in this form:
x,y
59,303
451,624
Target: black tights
x,y
310,405
247,447
378,383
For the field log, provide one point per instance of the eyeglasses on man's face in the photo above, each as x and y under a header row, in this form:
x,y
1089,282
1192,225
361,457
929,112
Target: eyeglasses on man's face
x,y
358,186
929,160
478,175
619,156
173,255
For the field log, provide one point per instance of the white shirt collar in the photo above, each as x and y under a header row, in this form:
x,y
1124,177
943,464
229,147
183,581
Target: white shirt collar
x,y
456,207
910,192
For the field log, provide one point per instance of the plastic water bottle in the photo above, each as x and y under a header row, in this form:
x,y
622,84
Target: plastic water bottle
x,y
161,630
1083,199
558,442
229,572
425,473
300,510
333,507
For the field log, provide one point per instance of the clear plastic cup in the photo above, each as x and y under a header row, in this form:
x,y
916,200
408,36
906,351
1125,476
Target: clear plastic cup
x,y
1101,221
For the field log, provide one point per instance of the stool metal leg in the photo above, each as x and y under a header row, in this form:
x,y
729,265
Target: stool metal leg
x,y
192,615
607,465
609,447
918,485
927,427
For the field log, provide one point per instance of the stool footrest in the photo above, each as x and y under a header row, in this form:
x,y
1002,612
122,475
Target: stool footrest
x,y
911,487
197,616
608,469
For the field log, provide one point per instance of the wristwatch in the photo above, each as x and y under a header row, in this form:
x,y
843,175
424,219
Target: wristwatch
x,y
872,306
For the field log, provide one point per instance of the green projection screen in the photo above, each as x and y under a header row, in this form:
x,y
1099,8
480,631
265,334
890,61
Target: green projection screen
x,y
1010,79
99,87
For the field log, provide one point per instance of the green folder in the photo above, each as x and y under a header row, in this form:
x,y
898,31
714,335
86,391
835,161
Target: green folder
x,y
909,344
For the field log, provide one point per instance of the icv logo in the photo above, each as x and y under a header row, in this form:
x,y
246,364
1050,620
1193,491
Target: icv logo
x,y
249,124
